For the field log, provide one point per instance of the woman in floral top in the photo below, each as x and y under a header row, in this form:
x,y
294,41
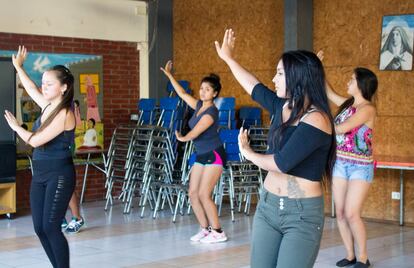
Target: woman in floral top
x,y
354,167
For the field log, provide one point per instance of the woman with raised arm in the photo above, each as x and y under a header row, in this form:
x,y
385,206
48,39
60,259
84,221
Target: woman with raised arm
x,y
354,167
289,218
53,179
210,159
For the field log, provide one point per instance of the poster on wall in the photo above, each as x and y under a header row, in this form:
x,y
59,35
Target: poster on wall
x,y
397,43
88,97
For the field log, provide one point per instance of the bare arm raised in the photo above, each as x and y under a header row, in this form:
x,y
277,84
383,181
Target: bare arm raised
x,y
332,95
190,100
225,51
28,84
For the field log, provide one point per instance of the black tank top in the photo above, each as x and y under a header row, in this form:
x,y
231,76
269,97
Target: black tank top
x,y
58,148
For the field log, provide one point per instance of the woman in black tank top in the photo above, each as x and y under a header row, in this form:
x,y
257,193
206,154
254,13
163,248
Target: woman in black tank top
x,y
53,179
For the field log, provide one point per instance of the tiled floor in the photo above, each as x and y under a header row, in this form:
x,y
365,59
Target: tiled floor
x,y
112,239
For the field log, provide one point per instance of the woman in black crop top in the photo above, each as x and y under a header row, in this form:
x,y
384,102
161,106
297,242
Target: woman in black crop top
x,y
211,156
289,218
53,179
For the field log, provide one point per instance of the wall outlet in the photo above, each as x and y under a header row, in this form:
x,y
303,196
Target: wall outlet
x,y
395,195
134,117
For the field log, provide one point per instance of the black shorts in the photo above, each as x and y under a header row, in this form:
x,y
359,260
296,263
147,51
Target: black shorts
x,y
215,157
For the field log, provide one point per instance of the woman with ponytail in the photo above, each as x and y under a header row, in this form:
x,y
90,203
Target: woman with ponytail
x,y
211,157
53,179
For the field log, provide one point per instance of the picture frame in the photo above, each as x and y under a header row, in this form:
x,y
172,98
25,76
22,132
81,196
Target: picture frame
x,y
397,41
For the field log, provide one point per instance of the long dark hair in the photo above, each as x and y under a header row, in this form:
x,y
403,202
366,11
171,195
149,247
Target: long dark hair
x,y
65,77
214,81
305,87
367,83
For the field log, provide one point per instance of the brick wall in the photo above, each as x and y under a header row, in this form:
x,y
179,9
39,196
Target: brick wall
x,y
120,90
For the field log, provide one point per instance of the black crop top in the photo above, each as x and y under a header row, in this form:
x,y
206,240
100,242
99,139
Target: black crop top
x,y
304,149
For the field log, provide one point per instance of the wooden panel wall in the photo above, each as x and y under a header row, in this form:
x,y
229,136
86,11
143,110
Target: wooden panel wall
x,y
348,31
259,40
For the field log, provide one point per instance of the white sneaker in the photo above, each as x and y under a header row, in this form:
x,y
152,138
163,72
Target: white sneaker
x,y
214,237
75,225
200,235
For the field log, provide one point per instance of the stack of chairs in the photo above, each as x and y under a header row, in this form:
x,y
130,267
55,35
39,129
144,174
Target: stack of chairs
x,y
152,156
116,162
159,166
136,163
258,138
183,196
143,153
250,116
175,192
227,112
241,178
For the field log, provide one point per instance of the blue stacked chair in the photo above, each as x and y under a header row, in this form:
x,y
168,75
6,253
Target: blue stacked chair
x,y
182,108
146,111
185,84
227,112
229,137
250,116
169,112
241,178
169,117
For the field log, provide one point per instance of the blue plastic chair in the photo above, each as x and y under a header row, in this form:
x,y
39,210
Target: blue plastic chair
x,y
184,83
146,109
168,107
227,112
229,137
250,116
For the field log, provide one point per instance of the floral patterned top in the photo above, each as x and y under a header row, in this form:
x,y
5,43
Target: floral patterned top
x,y
354,146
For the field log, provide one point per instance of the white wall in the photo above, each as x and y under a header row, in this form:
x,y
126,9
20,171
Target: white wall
x,y
116,20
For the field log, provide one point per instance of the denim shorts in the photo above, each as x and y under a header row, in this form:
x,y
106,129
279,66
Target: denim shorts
x,y
351,171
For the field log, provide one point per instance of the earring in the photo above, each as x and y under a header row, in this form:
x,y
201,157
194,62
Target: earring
x,y
63,92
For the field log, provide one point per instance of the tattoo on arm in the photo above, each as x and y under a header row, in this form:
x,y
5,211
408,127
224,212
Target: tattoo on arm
x,y
294,191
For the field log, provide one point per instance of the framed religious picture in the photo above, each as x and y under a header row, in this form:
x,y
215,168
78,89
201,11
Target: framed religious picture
x,y
397,43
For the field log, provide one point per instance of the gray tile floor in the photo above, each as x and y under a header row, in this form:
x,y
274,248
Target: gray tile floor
x,y
112,239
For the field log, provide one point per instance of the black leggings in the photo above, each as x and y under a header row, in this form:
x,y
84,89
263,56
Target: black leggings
x,y
52,186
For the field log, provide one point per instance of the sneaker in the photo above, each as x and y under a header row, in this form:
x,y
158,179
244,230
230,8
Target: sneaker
x,y
214,237
200,235
64,224
75,225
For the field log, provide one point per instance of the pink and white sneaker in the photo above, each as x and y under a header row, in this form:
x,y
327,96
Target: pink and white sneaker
x,y
214,237
200,235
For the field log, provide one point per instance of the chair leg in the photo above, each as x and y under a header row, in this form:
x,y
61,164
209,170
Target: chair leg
x,y
157,203
177,204
145,197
